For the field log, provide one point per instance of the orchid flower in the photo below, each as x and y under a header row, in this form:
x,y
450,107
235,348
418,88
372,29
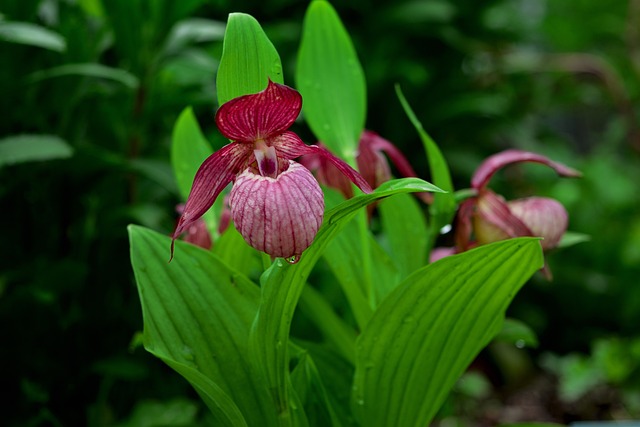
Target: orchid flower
x,y
371,162
489,217
276,203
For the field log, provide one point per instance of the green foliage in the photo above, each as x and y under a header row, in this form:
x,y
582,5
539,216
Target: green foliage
x,y
32,35
426,333
248,58
331,81
92,90
30,148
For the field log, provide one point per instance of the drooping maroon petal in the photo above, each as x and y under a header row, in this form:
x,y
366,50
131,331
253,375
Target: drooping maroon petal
x,y
279,216
327,174
494,221
545,217
463,224
290,146
212,177
260,115
374,166
374,142
493,163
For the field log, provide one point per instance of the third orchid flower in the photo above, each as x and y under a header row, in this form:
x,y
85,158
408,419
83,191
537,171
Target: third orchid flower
x,y
487,217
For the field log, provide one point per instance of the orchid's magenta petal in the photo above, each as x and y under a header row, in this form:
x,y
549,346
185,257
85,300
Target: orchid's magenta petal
x,y
372,164
464,226
494,220
290,146
375,168
214,174
327,174
278,216
493,163
260,115
374,142
545,217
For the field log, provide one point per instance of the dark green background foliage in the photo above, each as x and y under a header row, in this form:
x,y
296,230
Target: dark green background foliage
x,y
482,76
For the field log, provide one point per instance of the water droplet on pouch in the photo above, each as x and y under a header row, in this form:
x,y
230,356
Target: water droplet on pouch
x,y
293,259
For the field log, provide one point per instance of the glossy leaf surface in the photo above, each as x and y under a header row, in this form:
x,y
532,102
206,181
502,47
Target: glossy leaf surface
x,y
429,329
197,314
331,81
248,59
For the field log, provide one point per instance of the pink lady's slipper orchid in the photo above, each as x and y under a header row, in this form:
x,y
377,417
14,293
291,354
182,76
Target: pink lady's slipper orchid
x,y
276,204
490,218
371,161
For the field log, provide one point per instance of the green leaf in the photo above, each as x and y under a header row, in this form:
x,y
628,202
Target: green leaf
x,y
282,285
308,384
405,230
197,314
443,207
236,253
87,70
32,148
32,35
248,59
517,333
570,238
193,30
331,81
334,329
430,328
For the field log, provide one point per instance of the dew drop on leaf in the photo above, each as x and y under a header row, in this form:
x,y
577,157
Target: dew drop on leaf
x,y
293,259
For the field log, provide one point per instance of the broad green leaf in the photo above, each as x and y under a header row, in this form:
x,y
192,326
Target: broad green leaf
x,y
236,253
32,35
339,334
156,170
331,81
309,386
430,328
517,333
189,148
87,70
282,285
248,59
197,315
405,231
444,206
32,148
336,374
